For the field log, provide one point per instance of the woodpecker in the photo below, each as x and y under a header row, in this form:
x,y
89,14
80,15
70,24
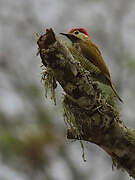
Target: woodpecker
x,y
92,56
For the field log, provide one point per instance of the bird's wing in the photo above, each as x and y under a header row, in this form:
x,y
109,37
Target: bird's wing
x,y
96,48
85,63
93,54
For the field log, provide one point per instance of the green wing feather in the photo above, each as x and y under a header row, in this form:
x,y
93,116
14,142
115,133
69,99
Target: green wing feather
x,y
85,63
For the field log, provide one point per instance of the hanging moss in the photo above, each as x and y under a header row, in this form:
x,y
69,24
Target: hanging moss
x,y
47,76
70,120
49,83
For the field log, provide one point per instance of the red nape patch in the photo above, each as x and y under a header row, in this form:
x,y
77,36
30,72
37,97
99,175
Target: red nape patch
x,y
83,30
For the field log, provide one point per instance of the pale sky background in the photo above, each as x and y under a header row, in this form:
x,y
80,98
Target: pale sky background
x,y
111,25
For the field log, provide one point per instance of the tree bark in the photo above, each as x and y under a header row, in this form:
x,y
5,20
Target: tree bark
x,y
89,116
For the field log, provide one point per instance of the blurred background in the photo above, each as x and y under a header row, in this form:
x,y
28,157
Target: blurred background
x,y
33,144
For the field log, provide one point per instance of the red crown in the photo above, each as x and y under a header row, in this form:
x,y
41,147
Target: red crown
x,y
83,30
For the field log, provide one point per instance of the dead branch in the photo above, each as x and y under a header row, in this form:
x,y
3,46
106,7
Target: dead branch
x,y
90,117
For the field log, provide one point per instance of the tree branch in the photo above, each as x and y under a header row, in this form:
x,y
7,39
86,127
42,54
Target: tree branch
x,y
90,117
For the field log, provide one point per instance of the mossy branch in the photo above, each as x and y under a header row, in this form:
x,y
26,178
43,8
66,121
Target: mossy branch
x,y
89,115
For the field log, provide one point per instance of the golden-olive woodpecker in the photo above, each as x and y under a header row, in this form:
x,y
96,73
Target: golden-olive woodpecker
x,y
92,56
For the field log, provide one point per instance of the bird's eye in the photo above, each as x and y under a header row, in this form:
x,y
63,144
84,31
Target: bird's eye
x,y
76,32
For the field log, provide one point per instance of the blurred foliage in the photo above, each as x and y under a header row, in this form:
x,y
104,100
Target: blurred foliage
x,y
32,133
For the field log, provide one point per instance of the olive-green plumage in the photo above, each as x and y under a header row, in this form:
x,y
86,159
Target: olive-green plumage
x,y
89,56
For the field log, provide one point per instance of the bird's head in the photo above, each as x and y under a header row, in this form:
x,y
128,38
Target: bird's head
x,y
77,34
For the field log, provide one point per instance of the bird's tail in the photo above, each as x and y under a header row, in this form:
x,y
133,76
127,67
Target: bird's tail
x,y
115,92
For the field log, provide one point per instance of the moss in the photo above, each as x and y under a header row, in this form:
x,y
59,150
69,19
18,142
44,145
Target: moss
x,y
130,135
49,83
70,120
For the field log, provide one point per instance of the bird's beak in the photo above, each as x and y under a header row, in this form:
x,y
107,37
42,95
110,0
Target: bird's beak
x,y
70,36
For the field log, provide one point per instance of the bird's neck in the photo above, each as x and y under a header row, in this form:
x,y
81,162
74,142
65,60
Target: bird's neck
x,y
76,45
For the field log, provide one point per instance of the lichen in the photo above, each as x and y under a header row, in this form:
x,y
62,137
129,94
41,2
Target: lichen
x,y
49,83
70,120
47,75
